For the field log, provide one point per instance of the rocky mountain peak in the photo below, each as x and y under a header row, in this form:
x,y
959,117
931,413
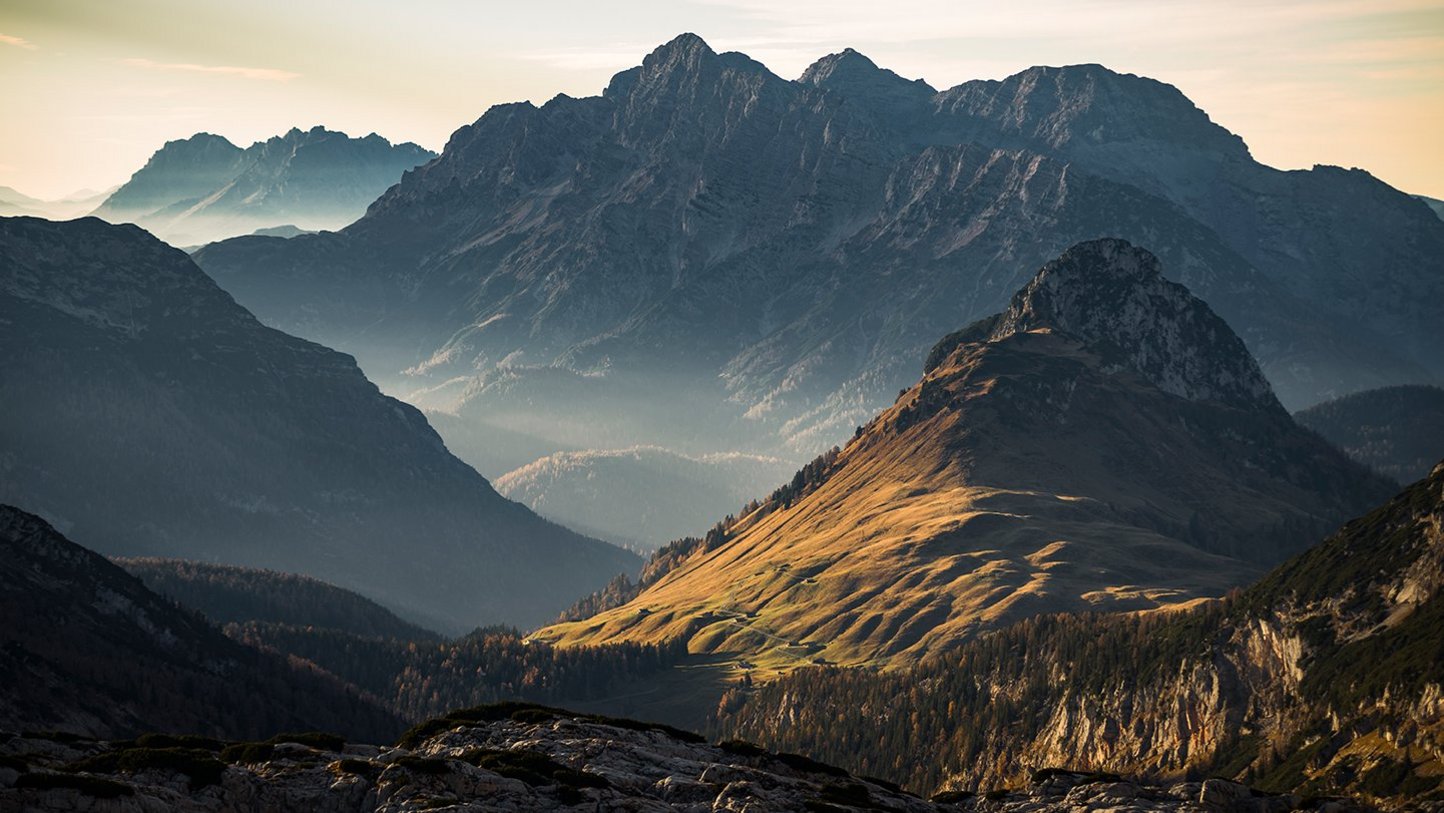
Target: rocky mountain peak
x,y
197,144
1112,296
685,51
852,74
198,153
1089,105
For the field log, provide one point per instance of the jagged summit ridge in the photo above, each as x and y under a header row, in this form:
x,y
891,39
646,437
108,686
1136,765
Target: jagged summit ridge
x,y
1112,296
780,250
850,71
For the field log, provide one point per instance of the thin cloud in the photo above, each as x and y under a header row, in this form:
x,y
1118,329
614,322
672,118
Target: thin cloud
x,y
19,42
265,74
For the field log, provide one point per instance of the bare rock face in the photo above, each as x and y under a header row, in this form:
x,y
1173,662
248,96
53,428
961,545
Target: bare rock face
x,y
529,759
707,252
1114,298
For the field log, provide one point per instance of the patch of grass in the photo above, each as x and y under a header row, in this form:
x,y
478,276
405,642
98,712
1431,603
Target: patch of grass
x,y
886,784
63,737
199,765
1078,777
852,794
527,713
638,725
89,785
1236,757
319,740
248,752
177,741
532,767
424,765
743,748
356,767
798,762
533,715
475,715
1290,773
1392,779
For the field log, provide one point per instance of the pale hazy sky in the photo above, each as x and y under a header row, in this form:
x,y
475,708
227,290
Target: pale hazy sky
x,y
89,88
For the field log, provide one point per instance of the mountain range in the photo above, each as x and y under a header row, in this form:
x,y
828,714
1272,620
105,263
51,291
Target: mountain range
x,y
14,202
1105,443
145,413
1107,424
709,257
205,188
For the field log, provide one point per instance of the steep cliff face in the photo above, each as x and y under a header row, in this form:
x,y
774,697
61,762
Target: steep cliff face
x,y
145,413
1323,678
1107,443
1114,299
704,217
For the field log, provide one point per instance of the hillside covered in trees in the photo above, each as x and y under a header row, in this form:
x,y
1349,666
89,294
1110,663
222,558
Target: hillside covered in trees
x,y
1322,678
1397,431
228,593
86,649
419,679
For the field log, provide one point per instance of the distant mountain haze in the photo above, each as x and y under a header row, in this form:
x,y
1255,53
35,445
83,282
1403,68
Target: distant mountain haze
x,y
1397,431
14,202
1105,443
145,413
205,188
708,257
641,497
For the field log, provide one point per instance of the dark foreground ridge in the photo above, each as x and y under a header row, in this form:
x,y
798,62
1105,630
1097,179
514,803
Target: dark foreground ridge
x,y
522,757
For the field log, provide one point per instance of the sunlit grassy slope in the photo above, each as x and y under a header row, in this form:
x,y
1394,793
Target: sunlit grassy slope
x,y
1019,477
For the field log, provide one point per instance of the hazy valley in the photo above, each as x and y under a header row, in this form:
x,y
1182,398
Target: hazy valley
x,y
205,188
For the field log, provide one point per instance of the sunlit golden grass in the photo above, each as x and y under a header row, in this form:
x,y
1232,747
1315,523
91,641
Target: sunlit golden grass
x,y
911,547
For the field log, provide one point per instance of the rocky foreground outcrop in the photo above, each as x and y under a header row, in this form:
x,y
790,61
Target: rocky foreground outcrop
x,y
512,757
